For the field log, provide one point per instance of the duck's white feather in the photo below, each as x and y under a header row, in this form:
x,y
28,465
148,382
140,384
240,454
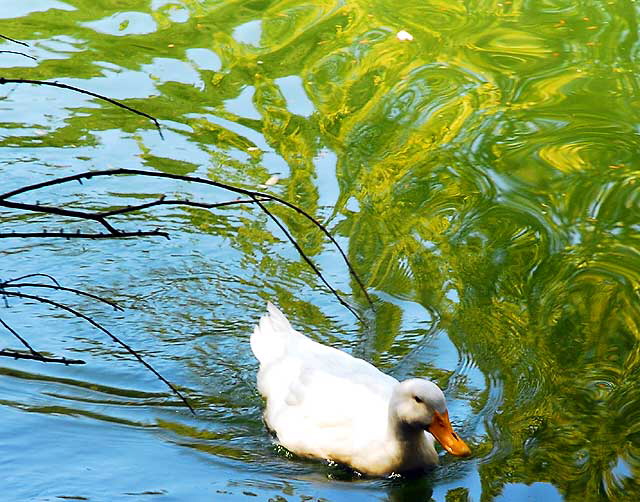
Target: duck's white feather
x,y
322,402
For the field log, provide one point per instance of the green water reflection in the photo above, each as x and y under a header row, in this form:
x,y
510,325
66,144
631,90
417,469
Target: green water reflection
x,y
484,176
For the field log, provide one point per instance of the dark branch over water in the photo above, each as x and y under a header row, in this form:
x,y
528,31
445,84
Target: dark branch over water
x,y
95,324
101,217
83,91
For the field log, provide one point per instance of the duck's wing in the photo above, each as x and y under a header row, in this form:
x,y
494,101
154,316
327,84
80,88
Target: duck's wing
x,y
274,341
327,416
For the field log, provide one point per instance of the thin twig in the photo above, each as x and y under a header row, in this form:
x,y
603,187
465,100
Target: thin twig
x,y
19,53
28,276
165,202
39,208
306,258
14,41
249,193
61,288
15,354
82,91
22,340
101,217
79,235
108,333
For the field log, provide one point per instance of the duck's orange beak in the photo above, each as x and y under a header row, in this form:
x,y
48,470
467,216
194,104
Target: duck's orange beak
x,y
441,429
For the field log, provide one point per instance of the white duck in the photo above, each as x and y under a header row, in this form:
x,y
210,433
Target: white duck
x,y
324,403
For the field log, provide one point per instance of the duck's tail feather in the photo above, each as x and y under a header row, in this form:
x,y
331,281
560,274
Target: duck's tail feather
x,y
268,341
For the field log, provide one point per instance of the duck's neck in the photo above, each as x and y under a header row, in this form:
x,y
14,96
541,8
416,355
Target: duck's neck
x,y
414,450
401,431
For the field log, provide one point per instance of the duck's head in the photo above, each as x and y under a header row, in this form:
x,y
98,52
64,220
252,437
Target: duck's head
x,y
420,404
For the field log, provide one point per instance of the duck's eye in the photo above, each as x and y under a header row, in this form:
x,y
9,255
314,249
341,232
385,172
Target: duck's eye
x,y
418,400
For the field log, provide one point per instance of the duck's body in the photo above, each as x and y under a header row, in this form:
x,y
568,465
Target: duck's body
x,y
324,403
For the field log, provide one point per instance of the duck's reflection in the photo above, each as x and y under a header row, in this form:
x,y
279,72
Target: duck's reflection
x,y
403,489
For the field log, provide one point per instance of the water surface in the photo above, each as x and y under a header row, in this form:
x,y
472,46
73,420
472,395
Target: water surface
x,y
483,177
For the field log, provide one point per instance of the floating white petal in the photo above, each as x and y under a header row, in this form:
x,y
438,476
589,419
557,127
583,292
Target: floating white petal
x,y
404,35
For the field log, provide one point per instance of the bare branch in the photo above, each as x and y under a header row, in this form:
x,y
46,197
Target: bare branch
x,y
28,276
14,41
60,288
39,357
82,91
306,258
19,53
164,202
80,235
255,195
39,208
107,332
22,340
101,217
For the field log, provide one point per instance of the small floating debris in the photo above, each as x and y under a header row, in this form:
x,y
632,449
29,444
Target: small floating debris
x,y
404,35
270,182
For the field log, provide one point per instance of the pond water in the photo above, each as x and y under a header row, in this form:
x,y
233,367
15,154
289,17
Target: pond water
x,y
482,173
